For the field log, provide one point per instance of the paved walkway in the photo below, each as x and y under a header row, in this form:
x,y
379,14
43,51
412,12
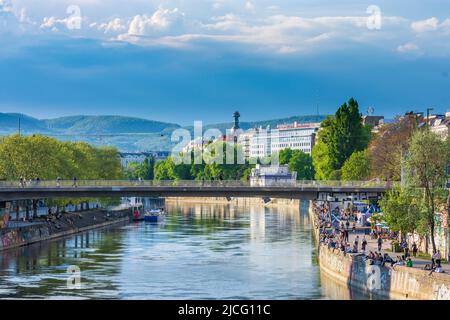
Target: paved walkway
x,y
386,248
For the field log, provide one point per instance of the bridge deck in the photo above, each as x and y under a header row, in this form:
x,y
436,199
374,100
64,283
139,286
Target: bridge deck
x,y
104,188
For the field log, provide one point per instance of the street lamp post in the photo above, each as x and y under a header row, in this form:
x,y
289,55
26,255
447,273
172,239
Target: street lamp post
x,y
428,117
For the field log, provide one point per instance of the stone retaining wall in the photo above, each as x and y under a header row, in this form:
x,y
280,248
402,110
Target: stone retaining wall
x,y
67,224
384,282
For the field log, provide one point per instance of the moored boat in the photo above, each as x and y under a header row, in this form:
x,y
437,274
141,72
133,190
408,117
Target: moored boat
x,y
154,215
137,215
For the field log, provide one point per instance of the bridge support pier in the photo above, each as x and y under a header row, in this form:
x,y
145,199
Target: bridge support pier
x,y
34,205
27,211
17,210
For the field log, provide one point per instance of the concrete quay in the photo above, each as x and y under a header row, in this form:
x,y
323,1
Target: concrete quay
x,y
67,224
398,282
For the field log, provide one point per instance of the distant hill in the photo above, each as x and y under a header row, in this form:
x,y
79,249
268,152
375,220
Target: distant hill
x,y
128,134
264,123
9,122
106,124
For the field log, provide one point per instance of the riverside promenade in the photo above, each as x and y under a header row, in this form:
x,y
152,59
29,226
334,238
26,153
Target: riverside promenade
x,y
372,277
418,263
50,227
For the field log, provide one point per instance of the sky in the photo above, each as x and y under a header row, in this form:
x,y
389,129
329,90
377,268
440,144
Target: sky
x,y
185,60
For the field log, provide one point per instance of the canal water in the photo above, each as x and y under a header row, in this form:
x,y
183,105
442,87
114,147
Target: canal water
x,y
200,251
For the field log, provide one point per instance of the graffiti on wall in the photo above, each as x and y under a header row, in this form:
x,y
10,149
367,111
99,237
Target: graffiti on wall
x,y
443,293
4,216
20,236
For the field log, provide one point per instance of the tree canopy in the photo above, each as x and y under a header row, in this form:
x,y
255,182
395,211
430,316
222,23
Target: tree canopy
x,y
390,145
357,167
40,156
339,137
143,170
213,166
298,161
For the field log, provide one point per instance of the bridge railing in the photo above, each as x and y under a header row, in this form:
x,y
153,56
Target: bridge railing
x,y
192,183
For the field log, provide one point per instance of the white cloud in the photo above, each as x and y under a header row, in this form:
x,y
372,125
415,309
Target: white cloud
x,y
160,20
116,25
249,6
273,7
425,25
53,23
290,34
277,27
5,6
57,24
14,20
407,47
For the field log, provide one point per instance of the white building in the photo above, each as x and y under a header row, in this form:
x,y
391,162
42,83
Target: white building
x,y
127,157
441,125
266,175
139,157
296,136
244,140
194,144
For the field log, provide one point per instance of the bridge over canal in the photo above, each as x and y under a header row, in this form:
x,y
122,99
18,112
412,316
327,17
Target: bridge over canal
x,y
124,188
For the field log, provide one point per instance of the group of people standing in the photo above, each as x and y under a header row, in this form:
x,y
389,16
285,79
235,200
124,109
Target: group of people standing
x,y
24,182
36,182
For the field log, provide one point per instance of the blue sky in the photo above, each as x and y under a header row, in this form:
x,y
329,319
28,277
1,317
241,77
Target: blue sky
x,y
180,61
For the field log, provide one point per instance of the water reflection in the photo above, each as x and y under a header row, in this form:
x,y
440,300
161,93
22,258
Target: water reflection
x,y
200,251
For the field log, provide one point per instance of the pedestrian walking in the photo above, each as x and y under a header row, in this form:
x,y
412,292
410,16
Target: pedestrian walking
x,y
58,182
414,249
438,258
74,184
364,244
405,248
356,243
379,242
22,182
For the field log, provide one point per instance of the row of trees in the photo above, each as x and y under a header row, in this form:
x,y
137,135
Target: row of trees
x,y
39,156
208,170
412,207
144,170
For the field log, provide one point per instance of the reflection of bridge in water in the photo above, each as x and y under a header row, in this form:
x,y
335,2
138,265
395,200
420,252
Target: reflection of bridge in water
x,y
126,188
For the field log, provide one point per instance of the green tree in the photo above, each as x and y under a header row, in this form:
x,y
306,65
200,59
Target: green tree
x,y
285,155
357,167
302,164
144,170
320,152
164,170
426,175
400,210
39,156
390,145
347,134
36,156
338,138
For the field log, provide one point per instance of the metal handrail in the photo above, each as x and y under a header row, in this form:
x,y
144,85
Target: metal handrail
x,y
193,183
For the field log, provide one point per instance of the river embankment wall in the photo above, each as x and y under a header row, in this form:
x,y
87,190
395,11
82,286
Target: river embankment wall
x,y
397,282
45,228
